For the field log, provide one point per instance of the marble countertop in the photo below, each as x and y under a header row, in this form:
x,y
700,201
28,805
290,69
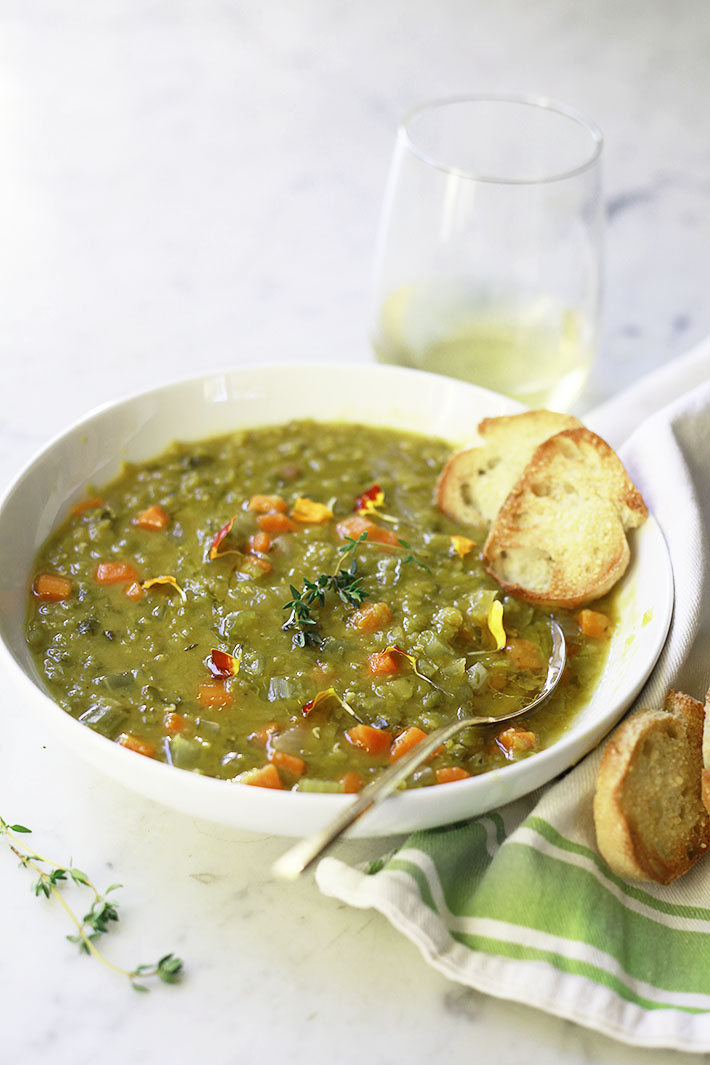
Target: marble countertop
x,y
190,184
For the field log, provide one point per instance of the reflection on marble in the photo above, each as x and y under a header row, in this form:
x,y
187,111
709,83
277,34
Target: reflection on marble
x,y
187,186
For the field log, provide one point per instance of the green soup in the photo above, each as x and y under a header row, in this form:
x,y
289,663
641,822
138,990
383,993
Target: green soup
x,y
315,614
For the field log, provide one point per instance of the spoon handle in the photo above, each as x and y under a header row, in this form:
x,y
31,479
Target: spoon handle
x,y
303,853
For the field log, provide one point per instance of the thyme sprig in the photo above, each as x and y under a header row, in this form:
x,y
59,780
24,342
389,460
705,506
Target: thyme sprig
x,y
52,878
411,556
343,583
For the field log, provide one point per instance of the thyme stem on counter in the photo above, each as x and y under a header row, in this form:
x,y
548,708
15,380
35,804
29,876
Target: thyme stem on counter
x,y
52,878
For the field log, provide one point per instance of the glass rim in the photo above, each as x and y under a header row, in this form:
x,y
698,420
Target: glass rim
x,y
544,103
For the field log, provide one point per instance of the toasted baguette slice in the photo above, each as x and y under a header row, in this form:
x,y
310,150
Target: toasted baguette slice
x,y
705,781
560,537
474,483
649,816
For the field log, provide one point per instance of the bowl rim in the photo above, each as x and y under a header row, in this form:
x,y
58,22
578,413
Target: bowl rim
x,y
414,801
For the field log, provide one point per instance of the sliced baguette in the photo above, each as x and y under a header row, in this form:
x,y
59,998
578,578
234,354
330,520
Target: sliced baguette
x,y
705,780
559,538
649,816
474,483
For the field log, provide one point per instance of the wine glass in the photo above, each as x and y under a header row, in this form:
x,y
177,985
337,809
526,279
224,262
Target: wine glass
x,y
488,261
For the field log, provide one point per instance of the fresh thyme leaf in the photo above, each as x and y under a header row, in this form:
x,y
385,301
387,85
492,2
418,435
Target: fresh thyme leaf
x,y
51,881
411,556
350,547
169,968
300,621
343,583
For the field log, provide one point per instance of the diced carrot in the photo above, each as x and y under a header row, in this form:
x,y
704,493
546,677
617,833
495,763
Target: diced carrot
x,y
593,623
264,734
260,542
275,522
373,740
266,777
52,587
134,591
404,742
514,741
174,723
214,693
255,567
135,743
87,504
524,654
291,763
153,517
382,664
309,511
449,773
371,617
114,572
351,782
267,504
355,525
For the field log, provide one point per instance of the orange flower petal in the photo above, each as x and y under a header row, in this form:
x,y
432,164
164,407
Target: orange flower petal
x,y
164,579
462,545
309,511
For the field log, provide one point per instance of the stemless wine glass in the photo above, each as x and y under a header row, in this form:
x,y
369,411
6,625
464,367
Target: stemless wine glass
x,y
488,263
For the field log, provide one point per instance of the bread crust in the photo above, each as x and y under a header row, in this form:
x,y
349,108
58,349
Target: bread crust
x,y
474,482
559,538
649,815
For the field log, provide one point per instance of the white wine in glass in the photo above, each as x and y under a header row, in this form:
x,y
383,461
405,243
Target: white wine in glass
x,y
488,264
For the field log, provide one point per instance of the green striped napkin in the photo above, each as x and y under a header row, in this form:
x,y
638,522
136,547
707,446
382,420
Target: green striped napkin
x,y
518,903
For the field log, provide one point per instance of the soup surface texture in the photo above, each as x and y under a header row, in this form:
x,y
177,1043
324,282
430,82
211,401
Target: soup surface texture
x,y
287,607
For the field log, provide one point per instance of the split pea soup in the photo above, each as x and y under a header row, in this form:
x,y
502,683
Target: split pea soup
x,y
287,607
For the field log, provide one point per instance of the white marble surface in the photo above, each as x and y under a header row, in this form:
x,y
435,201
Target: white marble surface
x,y
186,184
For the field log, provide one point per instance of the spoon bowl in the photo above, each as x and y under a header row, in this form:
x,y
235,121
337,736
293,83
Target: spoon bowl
x,y
302,854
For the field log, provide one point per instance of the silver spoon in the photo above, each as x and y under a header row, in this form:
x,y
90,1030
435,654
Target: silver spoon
x,y
302,854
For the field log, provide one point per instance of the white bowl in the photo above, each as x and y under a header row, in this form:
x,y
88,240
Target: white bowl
x,y
92,452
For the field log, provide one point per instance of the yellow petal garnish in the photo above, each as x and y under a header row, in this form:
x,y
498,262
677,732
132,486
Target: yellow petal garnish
x,y
165,580
495,624
462,545
324,696
309,511
397,650
370,500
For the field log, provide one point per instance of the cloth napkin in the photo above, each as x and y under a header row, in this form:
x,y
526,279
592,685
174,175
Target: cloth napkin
x,y
518,903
